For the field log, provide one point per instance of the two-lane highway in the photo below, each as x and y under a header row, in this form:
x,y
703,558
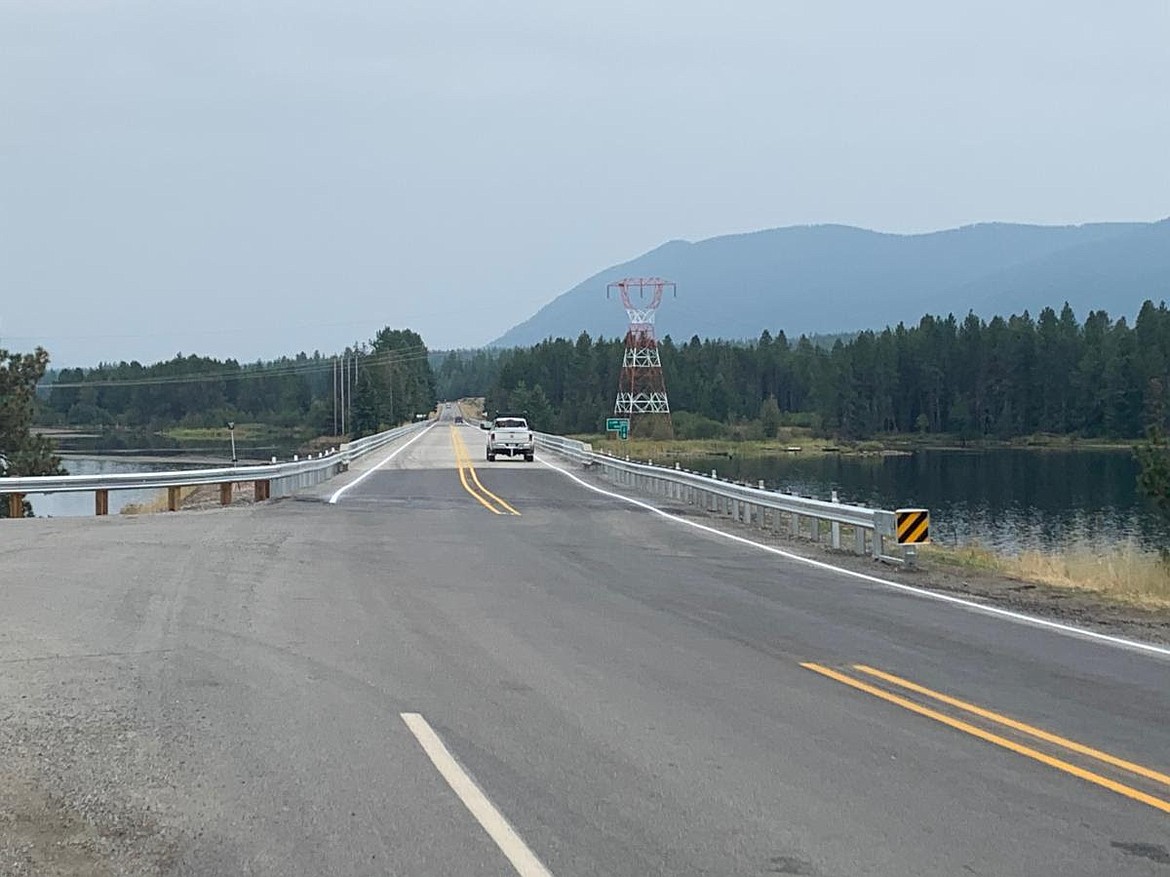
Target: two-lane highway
x,y
472,668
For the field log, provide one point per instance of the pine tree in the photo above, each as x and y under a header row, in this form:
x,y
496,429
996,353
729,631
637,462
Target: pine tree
x,y
23,452
1154,455
770,417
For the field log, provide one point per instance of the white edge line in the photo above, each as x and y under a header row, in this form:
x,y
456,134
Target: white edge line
x,y
485,813
1020,617
336,496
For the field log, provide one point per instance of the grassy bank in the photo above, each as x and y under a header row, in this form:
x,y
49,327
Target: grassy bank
x,y
1123,572
790,441
802,442
245,432
1038,441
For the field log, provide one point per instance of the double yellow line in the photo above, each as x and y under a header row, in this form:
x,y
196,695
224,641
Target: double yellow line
x,y
483,496
1155,778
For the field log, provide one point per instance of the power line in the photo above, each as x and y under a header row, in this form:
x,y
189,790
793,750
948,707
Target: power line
x,y
49,337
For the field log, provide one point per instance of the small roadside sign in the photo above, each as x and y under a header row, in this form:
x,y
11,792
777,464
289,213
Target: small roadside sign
x,y
913,526
620,425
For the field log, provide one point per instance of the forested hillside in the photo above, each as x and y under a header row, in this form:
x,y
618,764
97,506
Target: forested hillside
x,y
1000,378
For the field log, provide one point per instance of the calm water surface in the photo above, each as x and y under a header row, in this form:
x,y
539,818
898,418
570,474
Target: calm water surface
x,y
60,505
1004,498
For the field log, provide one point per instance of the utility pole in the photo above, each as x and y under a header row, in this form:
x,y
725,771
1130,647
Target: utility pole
x,y
335,395
393,420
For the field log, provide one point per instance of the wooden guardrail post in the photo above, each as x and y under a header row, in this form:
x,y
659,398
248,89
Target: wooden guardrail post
x,y
262,490
174,498
225,493
16,505
101,502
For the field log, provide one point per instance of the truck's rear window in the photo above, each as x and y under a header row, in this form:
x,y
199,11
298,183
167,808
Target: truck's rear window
x,y
510,423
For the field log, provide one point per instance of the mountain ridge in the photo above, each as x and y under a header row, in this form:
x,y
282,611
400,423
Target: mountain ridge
x,y
830,277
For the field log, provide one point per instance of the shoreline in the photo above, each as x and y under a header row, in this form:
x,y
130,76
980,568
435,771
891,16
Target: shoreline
x,y
807,446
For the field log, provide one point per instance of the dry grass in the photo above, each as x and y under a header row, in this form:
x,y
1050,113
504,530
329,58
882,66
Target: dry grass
x,y
1122,571
158,504
974,557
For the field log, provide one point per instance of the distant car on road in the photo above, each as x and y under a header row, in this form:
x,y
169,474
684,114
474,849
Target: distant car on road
x,y
458,418
511,436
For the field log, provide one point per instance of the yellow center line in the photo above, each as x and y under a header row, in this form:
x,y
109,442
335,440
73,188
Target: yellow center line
x,y
1038,733
463,477
1018,748
475,477
463,462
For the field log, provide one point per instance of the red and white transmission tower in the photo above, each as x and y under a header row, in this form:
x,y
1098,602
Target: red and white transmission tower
x,y
641,387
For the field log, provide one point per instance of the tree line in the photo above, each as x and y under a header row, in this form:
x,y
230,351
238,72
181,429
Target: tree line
x,y
387,380
971,378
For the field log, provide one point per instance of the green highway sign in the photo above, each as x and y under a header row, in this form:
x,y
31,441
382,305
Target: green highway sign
x,y
620,425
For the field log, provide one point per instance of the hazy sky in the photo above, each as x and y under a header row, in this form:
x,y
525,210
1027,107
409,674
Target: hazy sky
x,y
251,179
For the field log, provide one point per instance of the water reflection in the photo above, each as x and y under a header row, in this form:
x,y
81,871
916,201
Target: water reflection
x,y
1005,498
117,442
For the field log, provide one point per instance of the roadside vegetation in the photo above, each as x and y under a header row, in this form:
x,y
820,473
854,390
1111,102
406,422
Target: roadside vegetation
x,y
1123,572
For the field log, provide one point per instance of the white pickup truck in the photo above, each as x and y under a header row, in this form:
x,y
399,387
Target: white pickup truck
x,y
511,436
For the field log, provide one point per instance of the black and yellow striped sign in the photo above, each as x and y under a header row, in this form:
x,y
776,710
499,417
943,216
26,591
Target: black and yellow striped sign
x,y
913,527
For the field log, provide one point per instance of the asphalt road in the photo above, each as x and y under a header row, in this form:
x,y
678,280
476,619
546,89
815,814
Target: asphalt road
x,y
588,689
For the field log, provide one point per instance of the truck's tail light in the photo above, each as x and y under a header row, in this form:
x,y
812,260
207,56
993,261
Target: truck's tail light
x,y
492,437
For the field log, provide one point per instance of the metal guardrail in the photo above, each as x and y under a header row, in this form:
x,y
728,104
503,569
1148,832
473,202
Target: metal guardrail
x,y
865,530
269,479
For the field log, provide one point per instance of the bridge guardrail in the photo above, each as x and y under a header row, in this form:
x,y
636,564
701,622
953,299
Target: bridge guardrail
x,y
872,531
269,479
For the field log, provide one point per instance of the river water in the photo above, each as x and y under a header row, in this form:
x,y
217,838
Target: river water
x,y
1008,499
59,505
